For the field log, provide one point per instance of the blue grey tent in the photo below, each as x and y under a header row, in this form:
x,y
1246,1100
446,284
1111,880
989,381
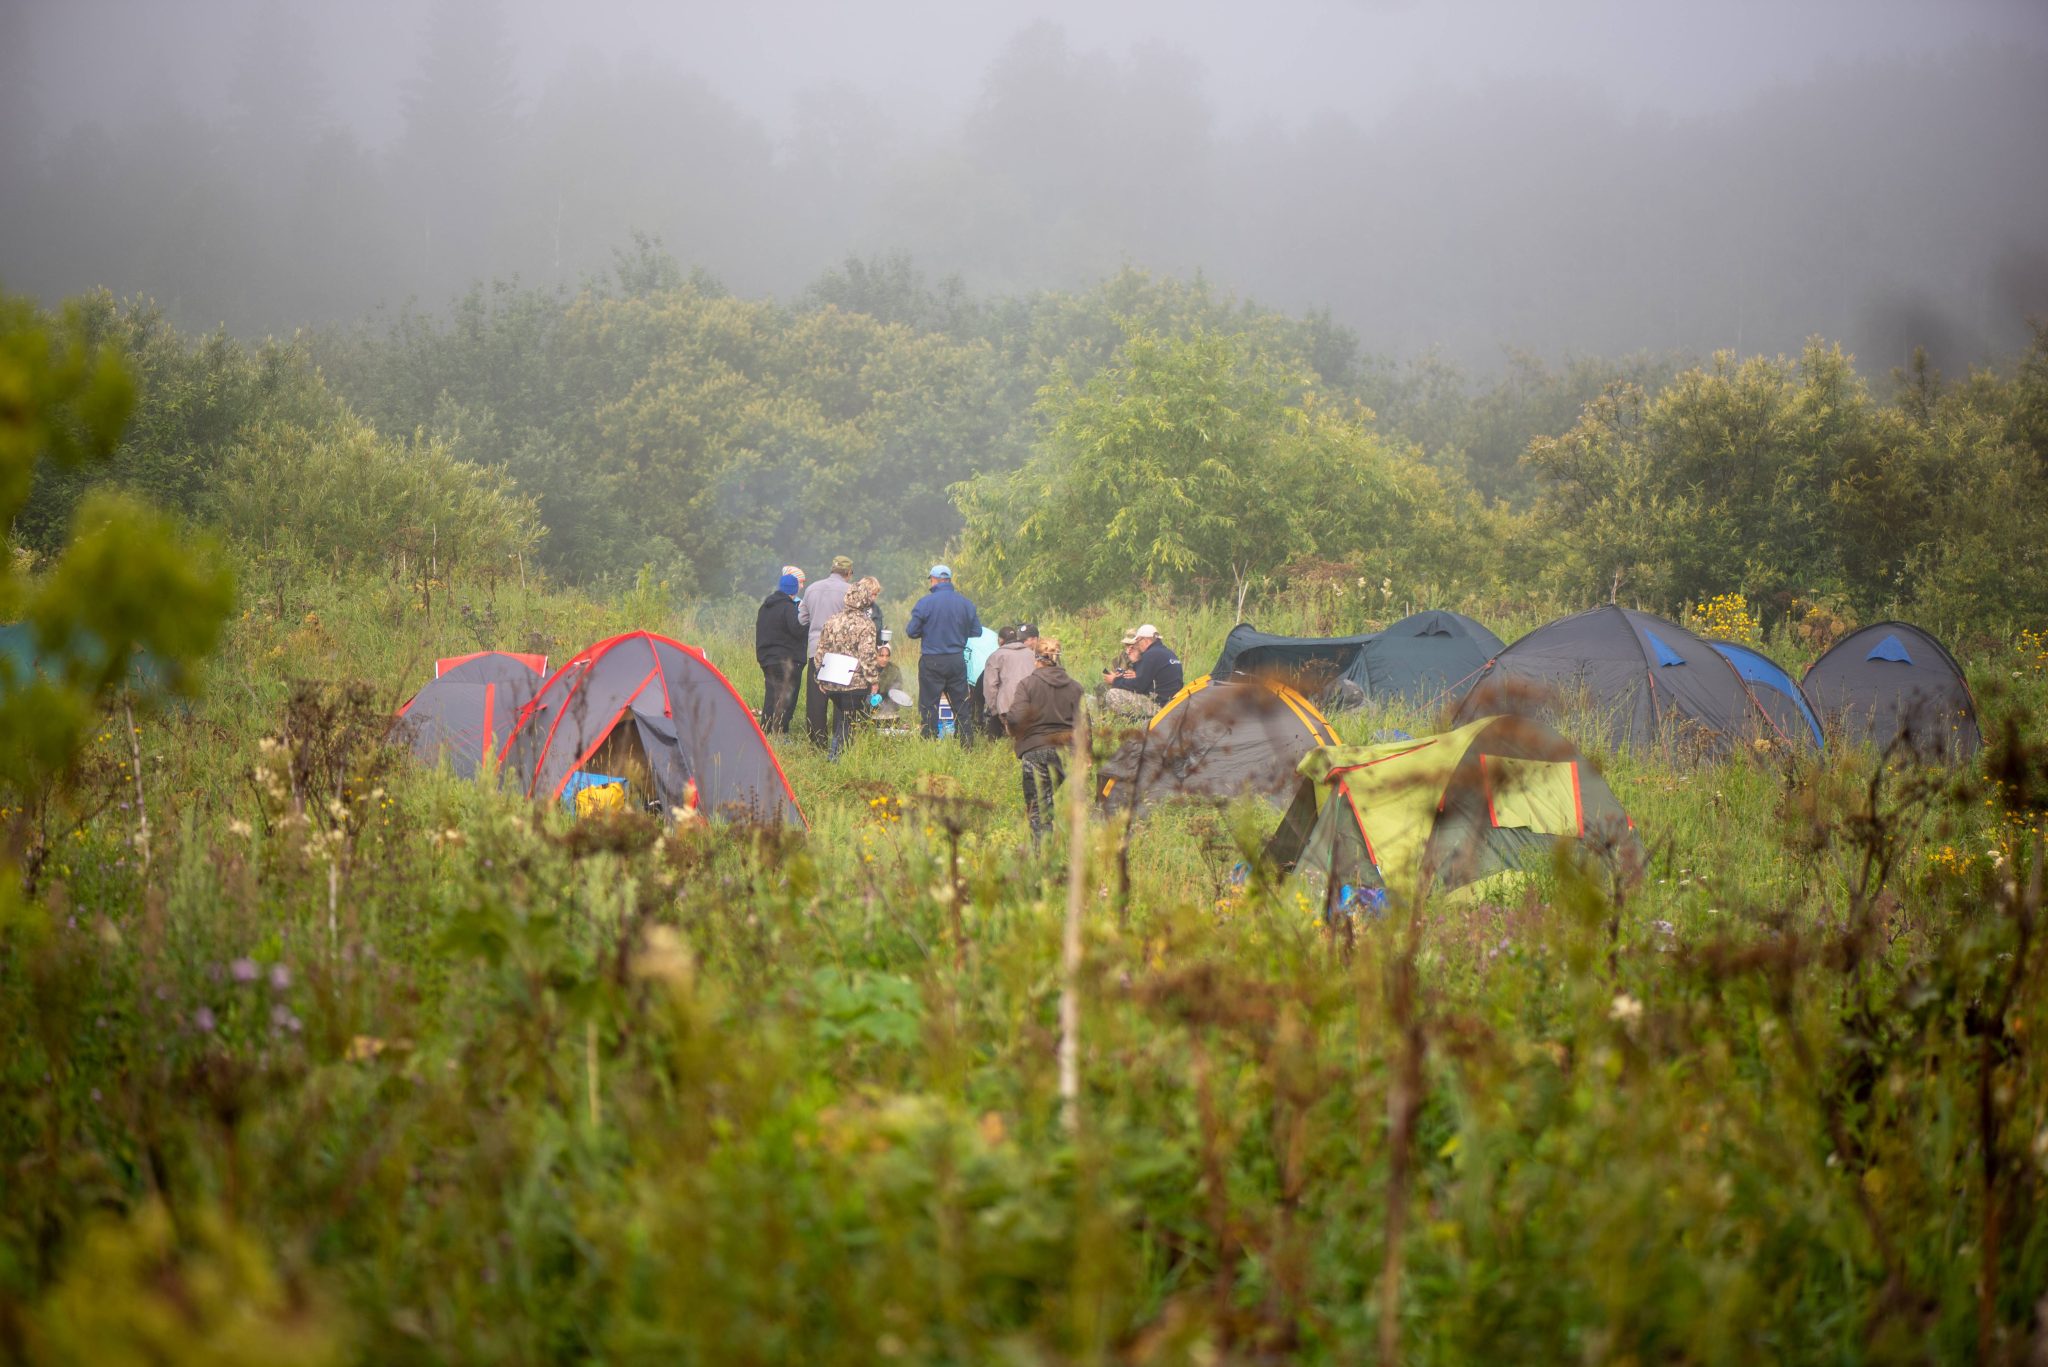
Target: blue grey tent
x,y
466,714
1422,659
1641,678
1781,698
1893,682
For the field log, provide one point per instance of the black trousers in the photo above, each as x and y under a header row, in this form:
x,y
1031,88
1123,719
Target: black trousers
x,y
814,708
1043,770
781,679
946,674
845,707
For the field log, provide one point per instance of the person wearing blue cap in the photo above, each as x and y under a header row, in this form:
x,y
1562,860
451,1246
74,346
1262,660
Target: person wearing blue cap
x,y
944,621
780,643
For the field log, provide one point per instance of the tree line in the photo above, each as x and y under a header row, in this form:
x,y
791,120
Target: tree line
x,y
1149,432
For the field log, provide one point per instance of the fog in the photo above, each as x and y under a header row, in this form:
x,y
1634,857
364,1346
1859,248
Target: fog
x,y
1592,176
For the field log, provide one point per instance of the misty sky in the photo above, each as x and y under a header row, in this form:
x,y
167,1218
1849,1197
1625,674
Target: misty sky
x,y
1570,175
1284,60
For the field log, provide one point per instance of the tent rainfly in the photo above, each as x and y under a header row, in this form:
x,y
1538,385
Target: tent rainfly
x,y
1780,696
1217,739
469,709
1420,660
661,715
1893,682
1429,815
1641,677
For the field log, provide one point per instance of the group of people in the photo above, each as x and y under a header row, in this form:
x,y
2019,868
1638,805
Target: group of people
x,y
826,641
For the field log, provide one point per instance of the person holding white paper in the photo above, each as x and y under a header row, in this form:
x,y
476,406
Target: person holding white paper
x,y
844,664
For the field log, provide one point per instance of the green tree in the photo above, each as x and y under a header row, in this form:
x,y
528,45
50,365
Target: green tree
x,y
1191,463
1719,482
126,582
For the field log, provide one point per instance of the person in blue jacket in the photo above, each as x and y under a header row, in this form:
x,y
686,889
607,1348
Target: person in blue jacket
x,y
945,621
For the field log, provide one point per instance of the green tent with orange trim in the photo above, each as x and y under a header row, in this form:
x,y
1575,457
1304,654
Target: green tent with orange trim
x,y
1433,814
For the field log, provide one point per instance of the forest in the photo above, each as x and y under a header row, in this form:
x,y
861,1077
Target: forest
x,y
321,1042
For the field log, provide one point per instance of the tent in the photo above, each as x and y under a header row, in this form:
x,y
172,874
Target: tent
x,y
1892,681
24,660
1781,698
658,713
469,709
537,663
1217,739
1645,678
1420,659
1414,817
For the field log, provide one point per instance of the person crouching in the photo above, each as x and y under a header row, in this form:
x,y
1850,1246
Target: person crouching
x,y
1041,720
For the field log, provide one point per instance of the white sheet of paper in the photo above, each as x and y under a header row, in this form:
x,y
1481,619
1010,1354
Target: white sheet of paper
x,y
834,668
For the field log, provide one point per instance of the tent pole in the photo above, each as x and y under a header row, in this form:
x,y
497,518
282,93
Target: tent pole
x,y
1070,944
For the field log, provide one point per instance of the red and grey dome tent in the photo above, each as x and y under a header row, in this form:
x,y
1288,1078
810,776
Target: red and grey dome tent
x,y
1642,677
660,713
1894,682
470,708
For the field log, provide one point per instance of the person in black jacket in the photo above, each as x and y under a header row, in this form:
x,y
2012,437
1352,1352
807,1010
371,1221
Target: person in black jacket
x,y
780,642
1149,680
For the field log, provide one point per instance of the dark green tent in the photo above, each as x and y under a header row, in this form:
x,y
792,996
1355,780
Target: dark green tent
x,y
1421,660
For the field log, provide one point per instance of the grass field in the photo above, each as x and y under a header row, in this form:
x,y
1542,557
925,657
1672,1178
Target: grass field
x,y
356,1062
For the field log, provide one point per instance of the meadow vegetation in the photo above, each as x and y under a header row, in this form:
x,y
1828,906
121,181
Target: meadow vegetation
x,y
308,1055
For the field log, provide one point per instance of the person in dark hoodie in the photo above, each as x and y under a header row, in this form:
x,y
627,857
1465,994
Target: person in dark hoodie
x,y
780,640
1041,720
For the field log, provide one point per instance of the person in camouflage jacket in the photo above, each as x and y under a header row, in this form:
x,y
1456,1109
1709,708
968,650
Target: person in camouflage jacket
x,y
849,631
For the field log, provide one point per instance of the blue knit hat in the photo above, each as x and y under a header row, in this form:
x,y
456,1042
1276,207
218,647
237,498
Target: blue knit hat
x,y
787,584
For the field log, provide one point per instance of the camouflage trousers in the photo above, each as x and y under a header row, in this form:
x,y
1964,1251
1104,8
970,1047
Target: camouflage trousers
x,y
1121,704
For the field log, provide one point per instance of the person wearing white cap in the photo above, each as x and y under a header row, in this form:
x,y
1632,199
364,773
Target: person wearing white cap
x,y
944,621
1153,675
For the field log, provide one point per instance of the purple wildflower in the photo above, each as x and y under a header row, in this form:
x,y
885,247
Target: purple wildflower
x,y
280,977
202,1020
243,970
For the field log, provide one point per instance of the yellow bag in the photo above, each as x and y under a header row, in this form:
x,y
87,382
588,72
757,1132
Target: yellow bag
x,y
604,797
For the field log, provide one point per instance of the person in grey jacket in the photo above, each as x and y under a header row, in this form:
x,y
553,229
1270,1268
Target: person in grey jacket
x,y
1006,669
822,601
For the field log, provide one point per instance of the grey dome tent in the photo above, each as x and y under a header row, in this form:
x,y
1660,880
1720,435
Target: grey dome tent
x,y
659,714
1781,697
1894,682
1645,678
1217,739
1420,659
469,709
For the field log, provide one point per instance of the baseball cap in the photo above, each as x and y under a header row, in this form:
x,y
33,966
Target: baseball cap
x,y
1129,637
1026,630
941,572
842,564
1146,630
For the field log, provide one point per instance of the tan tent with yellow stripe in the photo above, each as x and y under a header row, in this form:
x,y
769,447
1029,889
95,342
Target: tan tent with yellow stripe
x,y
1217,739
1429,815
